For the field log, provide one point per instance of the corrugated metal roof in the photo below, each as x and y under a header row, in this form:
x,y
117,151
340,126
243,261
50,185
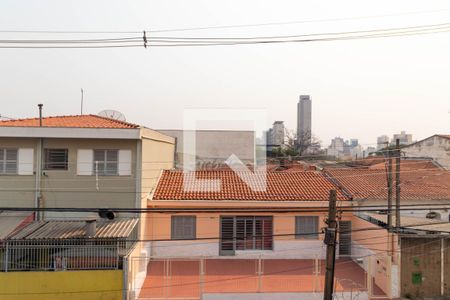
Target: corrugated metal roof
x,y
415,223
10,221
53,229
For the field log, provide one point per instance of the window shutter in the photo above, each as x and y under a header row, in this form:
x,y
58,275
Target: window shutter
x,y
124,162
25,161
85,162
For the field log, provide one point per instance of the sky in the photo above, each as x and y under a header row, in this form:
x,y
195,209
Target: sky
x,y
360,88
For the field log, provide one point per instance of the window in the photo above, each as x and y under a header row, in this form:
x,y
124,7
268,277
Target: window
x,y
307,227
183,227
106,162
8,161
246,233
56,159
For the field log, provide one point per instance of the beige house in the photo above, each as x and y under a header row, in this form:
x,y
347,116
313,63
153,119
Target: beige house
x,y
82,161
436,147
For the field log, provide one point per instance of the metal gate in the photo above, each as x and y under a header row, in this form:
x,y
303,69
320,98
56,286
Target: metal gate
x,y
345,238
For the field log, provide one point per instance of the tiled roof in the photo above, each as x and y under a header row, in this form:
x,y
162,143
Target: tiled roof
x,y
281,186
77,121
408,164
445,135
75,229
416,183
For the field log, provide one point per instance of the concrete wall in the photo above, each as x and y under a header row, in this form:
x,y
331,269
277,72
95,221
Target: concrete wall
x,y
373,244
21,187
67,285
217,145
157,154
435,147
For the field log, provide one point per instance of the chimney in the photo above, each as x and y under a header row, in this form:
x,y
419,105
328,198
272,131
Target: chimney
x,y
40,114
91,227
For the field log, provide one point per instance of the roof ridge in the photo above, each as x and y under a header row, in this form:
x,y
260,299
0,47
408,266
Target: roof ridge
x,y
114,120
81,121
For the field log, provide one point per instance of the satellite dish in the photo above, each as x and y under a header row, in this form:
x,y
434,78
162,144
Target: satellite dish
x,y
112,114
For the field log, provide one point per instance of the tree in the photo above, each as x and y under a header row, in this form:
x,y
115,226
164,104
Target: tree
x,y
289,148
306,141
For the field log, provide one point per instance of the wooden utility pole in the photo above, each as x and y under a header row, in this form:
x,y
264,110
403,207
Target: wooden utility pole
x,y
397,184
389,194
330,241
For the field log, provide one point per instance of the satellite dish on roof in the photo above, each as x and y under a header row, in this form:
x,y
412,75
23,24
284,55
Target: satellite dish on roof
x,y
112,114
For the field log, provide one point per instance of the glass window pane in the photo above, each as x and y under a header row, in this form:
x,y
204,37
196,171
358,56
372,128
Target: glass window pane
x,y
111,155
11,168
306,227
11,154
99,155
111,168
183,227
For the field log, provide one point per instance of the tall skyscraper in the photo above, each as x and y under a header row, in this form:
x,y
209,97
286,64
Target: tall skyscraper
x,y
304,117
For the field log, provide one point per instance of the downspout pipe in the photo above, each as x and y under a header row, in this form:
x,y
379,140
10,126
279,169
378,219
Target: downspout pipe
x,y
39,168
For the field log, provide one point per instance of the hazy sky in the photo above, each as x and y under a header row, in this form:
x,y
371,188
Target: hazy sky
x,y
360,89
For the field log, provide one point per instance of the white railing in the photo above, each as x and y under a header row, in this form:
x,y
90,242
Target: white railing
x,y
58,255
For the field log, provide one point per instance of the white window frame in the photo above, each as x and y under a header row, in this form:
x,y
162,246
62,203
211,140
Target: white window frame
x,y
103,171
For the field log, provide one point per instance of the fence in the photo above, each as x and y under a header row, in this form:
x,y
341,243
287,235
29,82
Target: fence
x,y
198,278
66,254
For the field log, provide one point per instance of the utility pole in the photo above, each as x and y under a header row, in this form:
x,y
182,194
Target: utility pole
x,y
397,185
330,241
389,195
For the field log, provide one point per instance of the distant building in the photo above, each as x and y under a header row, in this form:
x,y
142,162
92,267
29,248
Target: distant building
x,y
353,143
436,147
275,135
349,149
336,148
370,150
215,146
382,142
304,117
405,139
269,136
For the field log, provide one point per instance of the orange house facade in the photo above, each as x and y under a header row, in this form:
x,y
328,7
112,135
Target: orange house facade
x,y
236,242
285,220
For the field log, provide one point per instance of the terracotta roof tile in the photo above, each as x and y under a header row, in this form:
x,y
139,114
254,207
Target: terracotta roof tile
x,y
281,186
76,121
416,184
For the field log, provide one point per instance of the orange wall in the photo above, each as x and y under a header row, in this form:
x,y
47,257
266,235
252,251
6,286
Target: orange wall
x,y
208,224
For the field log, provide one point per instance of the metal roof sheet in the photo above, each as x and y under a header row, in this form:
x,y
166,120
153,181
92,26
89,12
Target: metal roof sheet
x,y
11,221
415,223
53,229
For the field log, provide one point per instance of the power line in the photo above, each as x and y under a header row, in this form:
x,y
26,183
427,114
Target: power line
x,y
294,22
221,41
225,26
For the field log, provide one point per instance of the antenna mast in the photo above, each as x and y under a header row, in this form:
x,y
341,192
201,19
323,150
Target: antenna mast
x,y
82,98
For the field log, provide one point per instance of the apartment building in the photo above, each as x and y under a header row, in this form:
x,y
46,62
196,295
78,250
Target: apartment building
x,y
436,147
81,161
